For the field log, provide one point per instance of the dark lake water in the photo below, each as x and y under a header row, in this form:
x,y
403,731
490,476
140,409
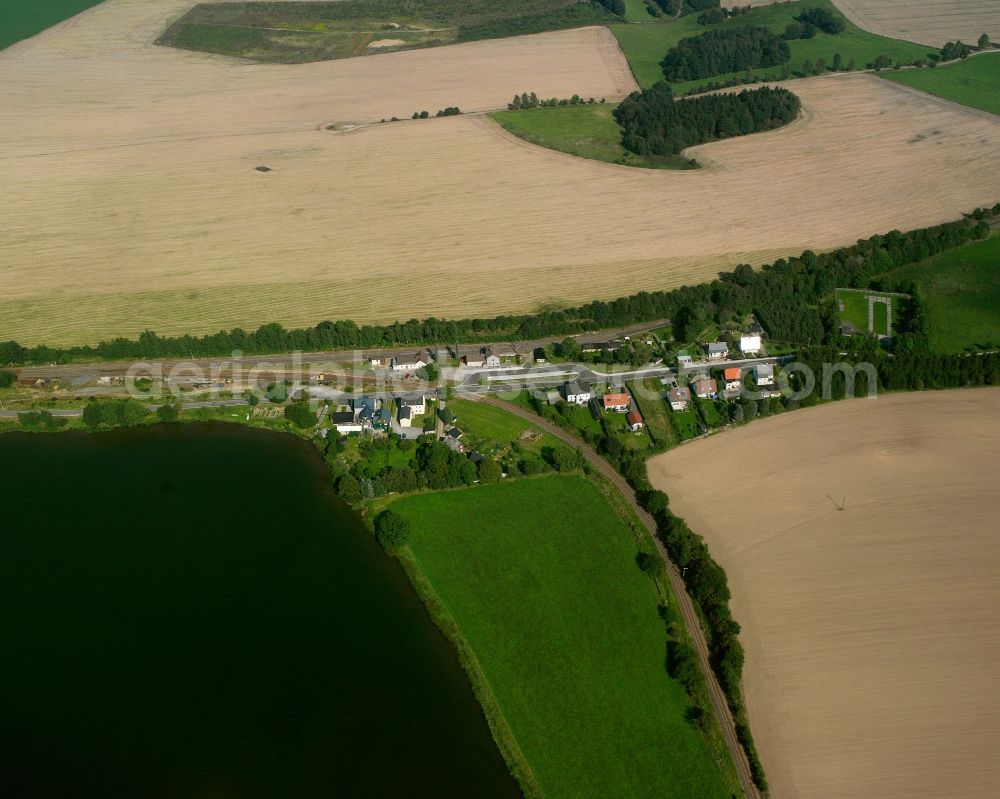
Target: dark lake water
x,y
189,611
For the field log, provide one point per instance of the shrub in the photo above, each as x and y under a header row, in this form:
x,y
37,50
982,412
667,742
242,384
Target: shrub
x,y
391,530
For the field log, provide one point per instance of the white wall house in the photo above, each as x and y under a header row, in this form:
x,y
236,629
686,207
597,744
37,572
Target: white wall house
x,y
576,393
764,374
680,396
717,350
750,345
408,362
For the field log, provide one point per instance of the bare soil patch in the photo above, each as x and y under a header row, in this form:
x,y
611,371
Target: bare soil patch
x,y
871,633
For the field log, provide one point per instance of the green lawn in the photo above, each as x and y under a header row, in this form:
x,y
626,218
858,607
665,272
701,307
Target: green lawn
x,y
654,411
961,294
686,423
974,82
637,11
21,19
646,45
491,429
539,576
855,310
588,131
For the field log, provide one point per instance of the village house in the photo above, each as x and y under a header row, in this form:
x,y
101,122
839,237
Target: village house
x,y
575,393
417,403
764,374
750,345
344,422
490,358
635,422
408,362
733,378
706,389
680,396
405,415
684,361
717,350
473,360
617,403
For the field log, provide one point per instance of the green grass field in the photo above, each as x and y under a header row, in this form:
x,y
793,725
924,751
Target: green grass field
x,y
686,423
974,82
654,411
961,294
855,310
286,32
539,576
636,11
21,19
646,45
588,131
492,431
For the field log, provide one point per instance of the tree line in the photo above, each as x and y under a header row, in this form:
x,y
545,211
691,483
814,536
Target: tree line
x,y
716,52
655,124
792,298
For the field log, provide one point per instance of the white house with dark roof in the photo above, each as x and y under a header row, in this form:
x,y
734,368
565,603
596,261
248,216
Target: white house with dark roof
x,y
680,397
576,393
409,362
763,374
717,350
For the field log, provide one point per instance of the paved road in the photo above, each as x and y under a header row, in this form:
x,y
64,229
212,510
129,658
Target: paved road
x,y
691,621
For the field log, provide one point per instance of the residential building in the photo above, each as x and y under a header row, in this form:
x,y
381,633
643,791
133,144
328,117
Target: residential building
x,y
706,389
618,403
680,396
764,374
344,422
473,361
575,393
406,415
750,345
490,358
733,378
717,351
684,361
409,362
417,403
634,419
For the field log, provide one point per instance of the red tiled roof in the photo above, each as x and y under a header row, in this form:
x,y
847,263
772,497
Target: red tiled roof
x,y
612,400
734,373
634,417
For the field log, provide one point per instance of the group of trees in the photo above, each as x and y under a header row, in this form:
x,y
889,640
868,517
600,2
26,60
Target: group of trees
x,y
41,419
654,124
301,414
717,14
813,20
953,50
114,413
429,464
526,101
716,52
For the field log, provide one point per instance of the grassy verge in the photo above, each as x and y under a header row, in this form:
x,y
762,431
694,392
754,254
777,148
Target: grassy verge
x,y
654,412
646,45
538,579
588,131
22,19
960,293
973,82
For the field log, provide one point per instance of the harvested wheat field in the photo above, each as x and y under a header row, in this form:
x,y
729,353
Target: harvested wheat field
x,y
930,22
871,634
132,199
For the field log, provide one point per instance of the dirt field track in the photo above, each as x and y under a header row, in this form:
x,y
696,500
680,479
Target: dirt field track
x,y
131,198
931,22
872,636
